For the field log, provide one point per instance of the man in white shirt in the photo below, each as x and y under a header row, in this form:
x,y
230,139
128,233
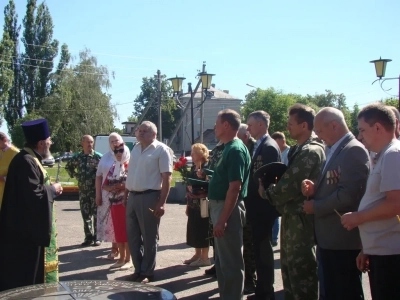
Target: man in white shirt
x,y
377,216
148,184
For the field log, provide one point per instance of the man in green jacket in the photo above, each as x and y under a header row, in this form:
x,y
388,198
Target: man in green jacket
x,y
298,263
83,166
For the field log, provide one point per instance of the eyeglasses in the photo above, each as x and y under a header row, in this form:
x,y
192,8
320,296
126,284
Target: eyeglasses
x,y
119,151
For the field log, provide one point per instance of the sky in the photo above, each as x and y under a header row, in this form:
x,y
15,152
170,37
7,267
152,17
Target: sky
x,y
297,46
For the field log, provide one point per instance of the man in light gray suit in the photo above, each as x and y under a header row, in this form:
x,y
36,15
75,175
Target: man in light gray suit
x,y
338,189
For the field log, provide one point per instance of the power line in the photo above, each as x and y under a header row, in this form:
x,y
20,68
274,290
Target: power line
x,y
89,65
124,56
80,72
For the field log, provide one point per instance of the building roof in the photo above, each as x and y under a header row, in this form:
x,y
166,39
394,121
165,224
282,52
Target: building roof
x,y
129,122
217,94
208,137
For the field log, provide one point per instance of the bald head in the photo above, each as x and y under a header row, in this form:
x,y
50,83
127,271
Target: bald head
x,y
330,125
330,114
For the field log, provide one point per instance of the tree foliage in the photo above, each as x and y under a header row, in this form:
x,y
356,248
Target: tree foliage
x,y
78,104
12,95
40,51
169,111
277,103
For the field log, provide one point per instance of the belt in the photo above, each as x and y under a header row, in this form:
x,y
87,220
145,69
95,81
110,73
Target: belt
x,y
143,192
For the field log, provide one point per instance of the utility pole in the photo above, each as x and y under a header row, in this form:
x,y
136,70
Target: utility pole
x,y
202,108
159,106
191,110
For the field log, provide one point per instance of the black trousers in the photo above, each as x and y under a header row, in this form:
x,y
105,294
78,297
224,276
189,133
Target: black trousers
x,y
384,276
20,265
342,280
262,219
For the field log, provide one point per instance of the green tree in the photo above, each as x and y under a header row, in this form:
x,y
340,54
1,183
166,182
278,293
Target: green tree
x,y
169,111
6,73
354,120
329,99
272,101
79,103
40,51
392,102
14,102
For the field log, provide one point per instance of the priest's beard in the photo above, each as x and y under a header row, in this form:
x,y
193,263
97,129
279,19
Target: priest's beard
x,y
46,153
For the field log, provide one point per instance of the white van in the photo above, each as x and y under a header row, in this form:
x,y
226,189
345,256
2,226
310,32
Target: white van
x,y
102,146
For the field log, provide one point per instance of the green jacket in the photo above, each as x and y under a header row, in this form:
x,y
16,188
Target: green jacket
x,y
305,162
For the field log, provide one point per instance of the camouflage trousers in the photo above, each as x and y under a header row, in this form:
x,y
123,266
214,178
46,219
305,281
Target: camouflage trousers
x,y
248,256
88,208
298,261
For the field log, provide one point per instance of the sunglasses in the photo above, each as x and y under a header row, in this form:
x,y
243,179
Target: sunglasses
x,y
119,151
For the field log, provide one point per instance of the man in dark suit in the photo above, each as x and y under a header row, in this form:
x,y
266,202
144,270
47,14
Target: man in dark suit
x,y
339,189
261,213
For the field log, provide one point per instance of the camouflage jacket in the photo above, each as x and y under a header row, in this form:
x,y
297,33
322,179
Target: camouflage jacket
x,y
84,167
305,162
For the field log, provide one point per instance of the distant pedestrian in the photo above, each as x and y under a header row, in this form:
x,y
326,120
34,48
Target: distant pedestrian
x,y
83,166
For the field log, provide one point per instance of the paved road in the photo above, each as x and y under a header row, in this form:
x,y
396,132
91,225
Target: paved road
x,y
185,282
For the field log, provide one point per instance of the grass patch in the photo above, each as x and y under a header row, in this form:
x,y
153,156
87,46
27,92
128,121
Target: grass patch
x,y
64,177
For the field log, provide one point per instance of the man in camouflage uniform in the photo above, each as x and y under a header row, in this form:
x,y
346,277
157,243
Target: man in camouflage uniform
x,y
83,166
298,263
248,249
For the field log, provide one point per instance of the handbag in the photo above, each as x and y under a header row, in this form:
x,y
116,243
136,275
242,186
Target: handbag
x,y
204,208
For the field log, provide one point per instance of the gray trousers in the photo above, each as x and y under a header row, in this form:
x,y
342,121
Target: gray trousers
x,y
229,262
142,231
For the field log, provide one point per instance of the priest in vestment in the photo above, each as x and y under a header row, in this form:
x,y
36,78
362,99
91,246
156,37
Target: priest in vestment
x,y
28,251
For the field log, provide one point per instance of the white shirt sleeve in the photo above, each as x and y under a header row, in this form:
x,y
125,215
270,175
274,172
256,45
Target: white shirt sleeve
x,y
390,175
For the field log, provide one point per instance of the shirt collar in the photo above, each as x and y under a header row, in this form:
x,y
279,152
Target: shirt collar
x,y
335,145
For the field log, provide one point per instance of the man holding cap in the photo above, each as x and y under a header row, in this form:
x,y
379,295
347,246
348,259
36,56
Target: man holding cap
x,y
28,252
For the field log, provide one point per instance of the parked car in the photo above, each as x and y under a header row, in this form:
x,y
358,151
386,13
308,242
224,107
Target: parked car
x,y
64,156
49,162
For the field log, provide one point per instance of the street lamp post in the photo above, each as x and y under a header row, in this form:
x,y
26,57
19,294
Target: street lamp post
x,y
205,80
380,69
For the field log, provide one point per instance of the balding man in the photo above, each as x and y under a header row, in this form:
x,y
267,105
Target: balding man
x,y
83,166
147,189
338,189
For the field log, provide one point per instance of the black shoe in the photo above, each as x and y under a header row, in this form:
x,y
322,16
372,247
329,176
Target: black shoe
x,y
249,289
274,243
211,271
86,243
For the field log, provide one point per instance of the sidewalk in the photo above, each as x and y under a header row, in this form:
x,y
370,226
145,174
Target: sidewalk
x,y
185,282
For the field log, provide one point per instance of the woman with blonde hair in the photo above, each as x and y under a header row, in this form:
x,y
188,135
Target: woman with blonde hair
x,y
197,226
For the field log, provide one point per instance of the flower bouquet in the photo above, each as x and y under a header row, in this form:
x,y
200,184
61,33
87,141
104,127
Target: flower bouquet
x,y
183,169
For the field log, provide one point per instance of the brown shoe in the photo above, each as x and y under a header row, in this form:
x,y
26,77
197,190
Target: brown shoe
x,y
133,277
